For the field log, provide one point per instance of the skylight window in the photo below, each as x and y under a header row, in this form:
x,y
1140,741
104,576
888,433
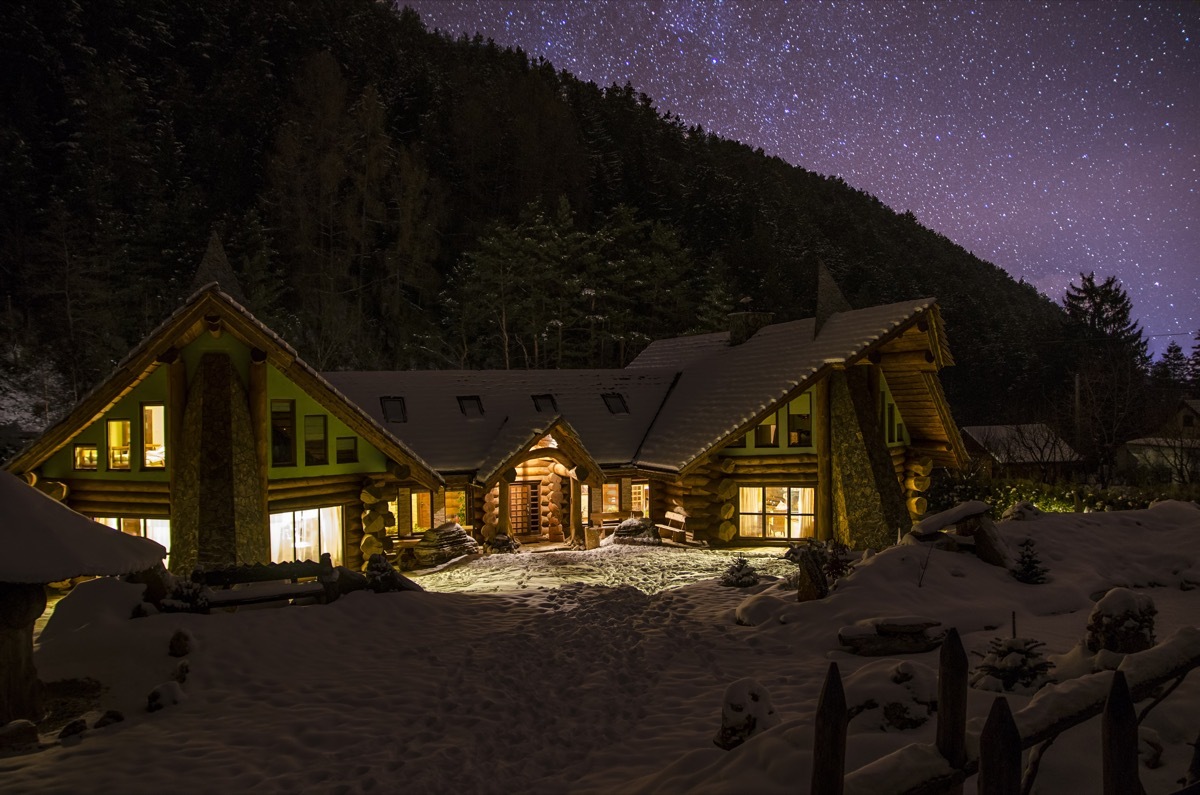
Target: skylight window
x,y
393,409
471,406
544,403
615,402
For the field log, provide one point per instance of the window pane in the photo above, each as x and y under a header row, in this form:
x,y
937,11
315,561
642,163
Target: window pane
x,y
767,433
308,535
283,433
331,534
316,446
751,525
154,437
159,530
804,500
456,508
585,502
750,499
612,498
777,526
282,545
422,511
799,430
640,497
776,497
394,409
802,527
86,456
347,450
118,444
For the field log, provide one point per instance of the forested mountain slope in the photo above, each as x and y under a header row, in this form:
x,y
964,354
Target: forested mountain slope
x,y
391,198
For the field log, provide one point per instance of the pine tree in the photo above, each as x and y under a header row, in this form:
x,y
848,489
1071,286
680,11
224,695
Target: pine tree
x,y
1172,368
1029,566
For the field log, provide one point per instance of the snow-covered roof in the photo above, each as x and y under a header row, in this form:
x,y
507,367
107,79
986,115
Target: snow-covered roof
x,y
723,387
44,541
1029,443
437,428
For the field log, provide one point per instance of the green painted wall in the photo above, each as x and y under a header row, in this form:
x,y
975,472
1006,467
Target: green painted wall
x,y
152,390
901,436
279,387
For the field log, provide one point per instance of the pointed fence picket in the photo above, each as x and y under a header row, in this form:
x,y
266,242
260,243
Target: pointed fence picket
x,y
1001,743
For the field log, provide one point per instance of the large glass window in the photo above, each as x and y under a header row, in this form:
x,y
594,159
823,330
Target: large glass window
x,y
118,444
316,440
283,433
154,436
776,512
155,529
306,535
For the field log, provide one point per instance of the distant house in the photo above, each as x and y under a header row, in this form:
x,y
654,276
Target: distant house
x,y
1032,451
214,438
1173,454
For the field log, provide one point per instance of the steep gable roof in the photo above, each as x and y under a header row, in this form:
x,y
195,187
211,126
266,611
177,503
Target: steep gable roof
x,y
208,308
723,390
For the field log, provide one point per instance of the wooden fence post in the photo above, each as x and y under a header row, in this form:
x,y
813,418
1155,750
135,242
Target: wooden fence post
x,y
829,737
999,752
1119,733
952,703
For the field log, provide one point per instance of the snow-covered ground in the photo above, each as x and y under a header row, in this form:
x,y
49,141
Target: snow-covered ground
x,y
582,672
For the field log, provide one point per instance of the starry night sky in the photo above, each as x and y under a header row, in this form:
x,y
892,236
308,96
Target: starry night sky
x,y
1048,138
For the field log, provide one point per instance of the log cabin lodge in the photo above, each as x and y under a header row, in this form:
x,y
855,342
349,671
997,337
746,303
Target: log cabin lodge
x,y
214,438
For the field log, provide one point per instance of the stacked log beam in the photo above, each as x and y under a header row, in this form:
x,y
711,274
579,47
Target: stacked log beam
x,y
491,511
916,480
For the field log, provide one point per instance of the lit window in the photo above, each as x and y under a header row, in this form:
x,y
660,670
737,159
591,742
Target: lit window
x,y
154,436
776,512
544,403
316,442
86,456
118,444
457,508
283,433
585,501
306,535
611,498
394,409
471,406
347,449
421,506
799,419
767,432
155,529
639,499
615,402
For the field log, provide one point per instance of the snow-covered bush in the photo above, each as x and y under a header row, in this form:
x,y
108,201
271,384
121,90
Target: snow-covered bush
x,y
1029,568
186,597
745,711
891,695
1012,665
740,574
1122,622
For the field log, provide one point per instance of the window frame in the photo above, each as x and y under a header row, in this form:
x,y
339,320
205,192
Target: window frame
x,y
283,431
316,451
788,515
111,449
544,403
144,446
471,406
95,465
768,422
615,403
353,449
394,408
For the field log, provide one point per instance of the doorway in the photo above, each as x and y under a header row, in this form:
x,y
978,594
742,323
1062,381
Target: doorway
x,y
523,511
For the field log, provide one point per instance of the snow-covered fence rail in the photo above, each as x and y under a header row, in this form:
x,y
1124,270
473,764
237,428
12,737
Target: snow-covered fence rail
x,y
926,769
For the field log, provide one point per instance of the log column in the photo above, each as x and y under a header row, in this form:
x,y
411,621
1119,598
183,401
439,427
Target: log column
x,y
822,441
504,517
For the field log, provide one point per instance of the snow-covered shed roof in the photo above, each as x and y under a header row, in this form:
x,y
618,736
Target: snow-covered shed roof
x,y
1029,443
42,540
447,432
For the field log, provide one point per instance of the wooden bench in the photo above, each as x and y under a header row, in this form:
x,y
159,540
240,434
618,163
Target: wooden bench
x,y
673,528
271,582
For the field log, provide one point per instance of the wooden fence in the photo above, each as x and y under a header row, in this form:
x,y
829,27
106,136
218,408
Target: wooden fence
x,y
941,768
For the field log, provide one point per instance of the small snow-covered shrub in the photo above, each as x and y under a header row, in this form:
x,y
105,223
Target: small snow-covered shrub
x,y
181,643
1122,621
168,694
1029,568
745,711
186,597
740,574
1012,665
903,691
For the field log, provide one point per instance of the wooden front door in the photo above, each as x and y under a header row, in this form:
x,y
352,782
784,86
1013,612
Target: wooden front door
x,y
523,512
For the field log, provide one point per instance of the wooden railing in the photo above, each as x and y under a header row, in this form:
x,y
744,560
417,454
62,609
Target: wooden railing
x,y
924,769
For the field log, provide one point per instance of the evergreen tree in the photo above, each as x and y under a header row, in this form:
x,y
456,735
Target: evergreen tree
x,y
1172,368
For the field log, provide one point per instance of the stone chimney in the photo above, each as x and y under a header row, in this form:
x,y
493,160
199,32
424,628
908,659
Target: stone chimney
x,y
744,323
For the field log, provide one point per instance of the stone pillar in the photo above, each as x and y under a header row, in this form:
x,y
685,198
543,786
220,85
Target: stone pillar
x,y
867,497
